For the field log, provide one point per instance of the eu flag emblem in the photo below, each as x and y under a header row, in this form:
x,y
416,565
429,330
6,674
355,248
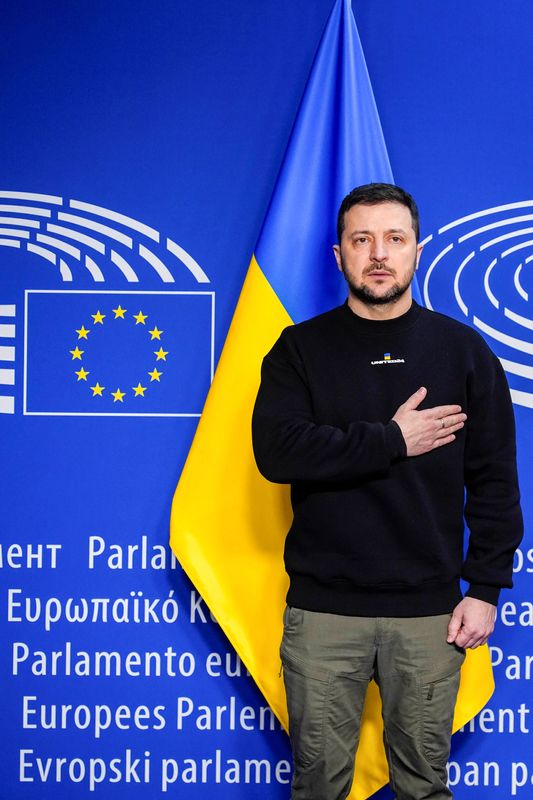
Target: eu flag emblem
x,y
117,353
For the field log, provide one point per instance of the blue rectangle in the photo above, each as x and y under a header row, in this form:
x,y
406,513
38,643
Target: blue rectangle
x,y
118,353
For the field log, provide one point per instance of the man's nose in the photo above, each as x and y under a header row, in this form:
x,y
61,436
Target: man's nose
x,y
379,251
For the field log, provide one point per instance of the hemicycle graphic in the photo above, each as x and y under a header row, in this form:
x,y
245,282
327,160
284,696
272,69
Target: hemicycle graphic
x,y
481,265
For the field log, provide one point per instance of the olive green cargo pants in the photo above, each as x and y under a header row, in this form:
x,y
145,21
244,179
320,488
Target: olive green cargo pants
x,y
328,661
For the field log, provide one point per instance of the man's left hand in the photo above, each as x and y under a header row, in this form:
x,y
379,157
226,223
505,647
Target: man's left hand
x,y
472,622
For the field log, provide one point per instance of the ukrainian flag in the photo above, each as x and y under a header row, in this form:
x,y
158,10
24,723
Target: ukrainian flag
x,y
228,524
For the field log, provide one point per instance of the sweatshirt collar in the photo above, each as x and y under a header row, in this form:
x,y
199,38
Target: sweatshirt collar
x,y
374,327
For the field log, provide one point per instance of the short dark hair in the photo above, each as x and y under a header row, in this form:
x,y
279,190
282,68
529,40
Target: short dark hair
x,y
372,194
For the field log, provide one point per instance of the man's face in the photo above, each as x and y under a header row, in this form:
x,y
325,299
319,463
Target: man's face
x,y
378,253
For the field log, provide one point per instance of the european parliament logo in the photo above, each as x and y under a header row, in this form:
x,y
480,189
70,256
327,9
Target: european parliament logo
x,y
112,353
96,352
480,269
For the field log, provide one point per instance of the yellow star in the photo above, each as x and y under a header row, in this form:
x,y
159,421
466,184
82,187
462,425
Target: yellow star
x,y
118,395
119,312
155,333
97,390
161,354
82,332
77,353
98,317
154,375
82,374
140,317
139,390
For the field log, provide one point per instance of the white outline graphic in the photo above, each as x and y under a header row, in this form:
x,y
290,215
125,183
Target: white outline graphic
x,y
7,354
492,278
138,238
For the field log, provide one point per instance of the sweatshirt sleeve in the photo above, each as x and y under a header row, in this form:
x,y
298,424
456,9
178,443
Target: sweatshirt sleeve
x,y
290,445
492,509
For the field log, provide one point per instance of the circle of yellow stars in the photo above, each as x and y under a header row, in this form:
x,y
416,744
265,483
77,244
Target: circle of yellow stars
x,y
118,395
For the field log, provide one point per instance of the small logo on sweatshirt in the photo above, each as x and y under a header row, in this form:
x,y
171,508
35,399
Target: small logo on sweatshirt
x,y
387,359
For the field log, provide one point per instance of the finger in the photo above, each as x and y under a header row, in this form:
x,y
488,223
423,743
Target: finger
x,y
441,442
470,638
475,641
453,428
472,643
453,628
465,639
437,412
453,419
416,398
446,430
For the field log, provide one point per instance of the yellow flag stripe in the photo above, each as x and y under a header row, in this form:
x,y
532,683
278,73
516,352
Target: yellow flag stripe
x,y
228,523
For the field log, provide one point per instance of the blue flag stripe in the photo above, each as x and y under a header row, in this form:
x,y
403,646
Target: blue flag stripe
x,y
336,143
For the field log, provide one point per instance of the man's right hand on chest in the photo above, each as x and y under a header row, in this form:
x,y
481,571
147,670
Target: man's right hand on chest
x,y
429,428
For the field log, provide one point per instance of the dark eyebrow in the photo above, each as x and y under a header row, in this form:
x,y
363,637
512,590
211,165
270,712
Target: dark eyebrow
x,y
390,230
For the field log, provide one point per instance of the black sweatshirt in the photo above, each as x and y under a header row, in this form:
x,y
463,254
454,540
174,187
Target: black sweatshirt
x,y
377,533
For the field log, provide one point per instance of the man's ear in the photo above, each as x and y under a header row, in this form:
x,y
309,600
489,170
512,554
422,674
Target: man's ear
x,y
419,249
337,254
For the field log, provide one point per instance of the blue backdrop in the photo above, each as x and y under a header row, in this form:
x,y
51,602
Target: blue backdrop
x,y
140,146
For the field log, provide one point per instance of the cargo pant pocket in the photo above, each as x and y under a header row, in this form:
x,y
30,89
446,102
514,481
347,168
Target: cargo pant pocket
x,y
307,688
437,703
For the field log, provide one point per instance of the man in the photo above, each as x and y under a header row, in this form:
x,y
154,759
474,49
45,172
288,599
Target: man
x,y
379,414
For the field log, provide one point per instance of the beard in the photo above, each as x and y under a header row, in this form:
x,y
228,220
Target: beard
x,y
370,298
